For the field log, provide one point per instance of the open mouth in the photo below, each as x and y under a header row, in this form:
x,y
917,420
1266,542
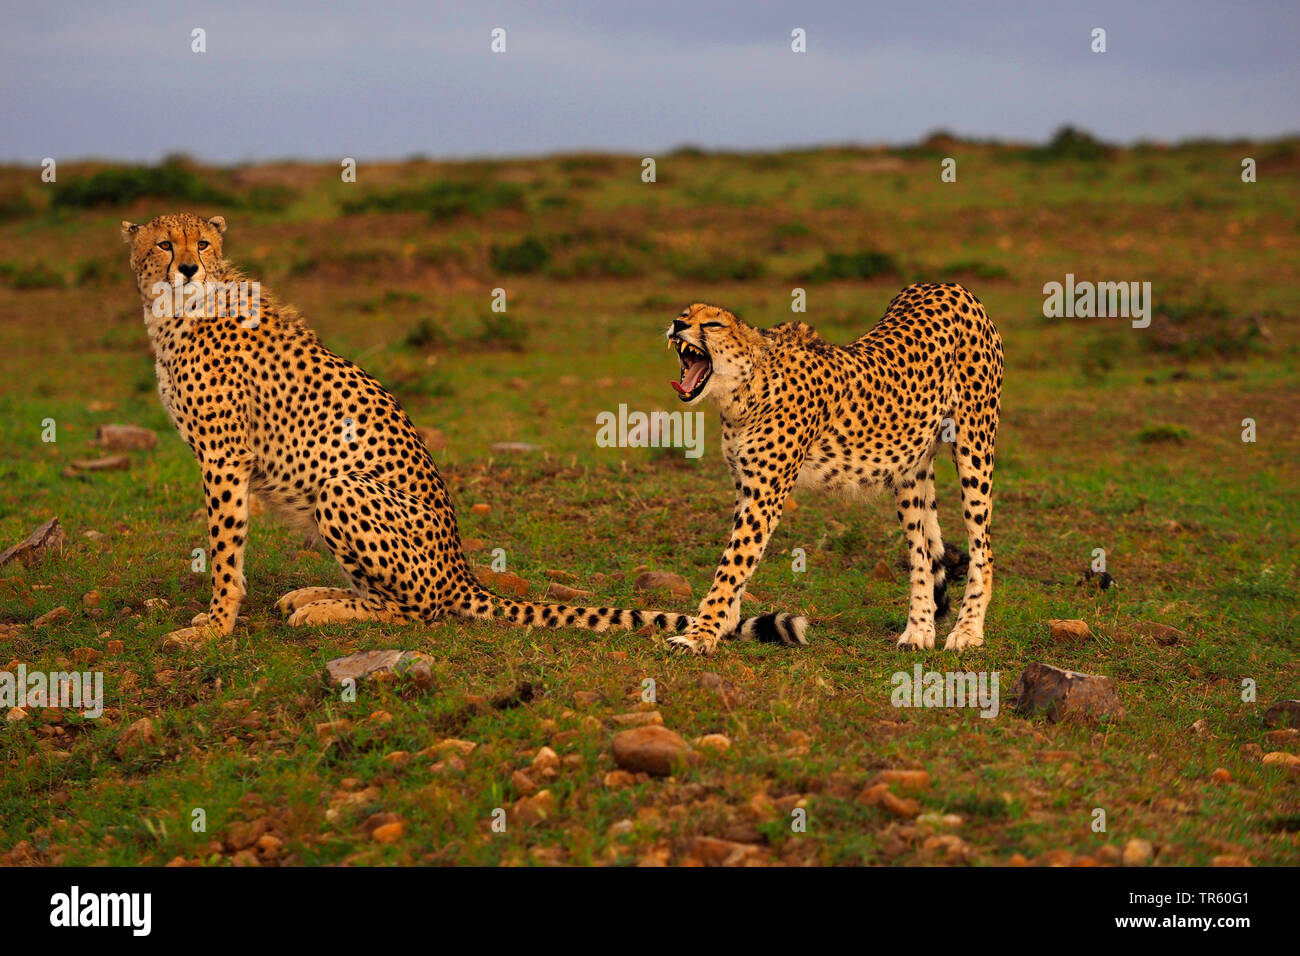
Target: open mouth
x,y
696,370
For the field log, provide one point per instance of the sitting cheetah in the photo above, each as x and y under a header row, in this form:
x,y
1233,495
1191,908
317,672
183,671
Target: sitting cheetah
x,y
266,408
800,412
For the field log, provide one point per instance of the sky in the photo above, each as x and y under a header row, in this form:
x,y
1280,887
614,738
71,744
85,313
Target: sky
x,y
396,79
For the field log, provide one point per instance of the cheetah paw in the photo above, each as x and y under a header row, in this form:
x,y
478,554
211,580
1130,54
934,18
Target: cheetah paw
x,y
962,638
703,646
304,596
916,639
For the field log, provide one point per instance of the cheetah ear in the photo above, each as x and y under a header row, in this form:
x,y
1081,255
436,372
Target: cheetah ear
x,y
218,223
129,229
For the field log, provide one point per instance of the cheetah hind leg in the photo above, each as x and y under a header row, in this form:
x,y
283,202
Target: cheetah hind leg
x,y
304,596
333,611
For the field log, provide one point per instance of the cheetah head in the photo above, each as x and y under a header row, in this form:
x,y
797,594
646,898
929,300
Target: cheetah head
x,y
715,351
169,249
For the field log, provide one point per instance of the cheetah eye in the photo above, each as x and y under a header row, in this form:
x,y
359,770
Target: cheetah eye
x,y
165,245
711,325
203,243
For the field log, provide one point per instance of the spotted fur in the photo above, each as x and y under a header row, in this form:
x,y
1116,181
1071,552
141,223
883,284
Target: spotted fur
x,y
799,412
267,408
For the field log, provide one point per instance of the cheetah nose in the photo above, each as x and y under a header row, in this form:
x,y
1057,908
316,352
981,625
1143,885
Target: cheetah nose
x,y
678,325
187,270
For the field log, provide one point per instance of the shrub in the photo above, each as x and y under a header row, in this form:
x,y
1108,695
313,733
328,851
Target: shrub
x,y
853,265
442,200
719,267
122,185
526,256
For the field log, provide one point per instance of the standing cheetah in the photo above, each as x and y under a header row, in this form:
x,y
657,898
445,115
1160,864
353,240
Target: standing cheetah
x,y
800,412
266,408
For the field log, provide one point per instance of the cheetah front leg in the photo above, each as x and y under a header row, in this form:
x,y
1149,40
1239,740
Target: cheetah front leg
x,y
757,514
226,488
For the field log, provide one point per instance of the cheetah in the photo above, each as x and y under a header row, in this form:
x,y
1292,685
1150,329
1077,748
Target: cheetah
x,y
266,408
799,412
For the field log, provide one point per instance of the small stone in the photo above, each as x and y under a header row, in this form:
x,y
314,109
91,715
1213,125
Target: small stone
x,y
1136,853
470,545
882,571
1281,758
1200,727
380,664
654,749
674,584
107,463
1069,630
502,581
60,613
879,795
1230,859
523,783
564,577
15,714
1282,737
514,447
481,509
388,832
1160,633
914,780
1064,695
940,820
1221,775
585,698
45,540
641,718
535,809
139,734
90,599
615,778
125,438
717,742
1285,713
331,729
546,760
433,438
562,592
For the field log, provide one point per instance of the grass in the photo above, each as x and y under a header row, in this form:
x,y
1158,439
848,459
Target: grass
x,y
1129,440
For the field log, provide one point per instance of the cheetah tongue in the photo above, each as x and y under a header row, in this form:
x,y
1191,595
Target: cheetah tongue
x,y
691,377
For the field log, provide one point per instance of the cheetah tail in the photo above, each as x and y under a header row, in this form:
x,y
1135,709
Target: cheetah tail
x,y
482,604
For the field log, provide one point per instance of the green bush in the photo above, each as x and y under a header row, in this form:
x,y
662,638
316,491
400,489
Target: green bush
x,y
853,265
719,267
442,200
123,185
524,257
1070,143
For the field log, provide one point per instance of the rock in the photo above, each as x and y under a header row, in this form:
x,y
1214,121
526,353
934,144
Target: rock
x,y
514,447
585,698
523,783
881,796
712,851
15,714
564,577
388,832
1281,758
90,599
940,820
1071,630
729,692
1285,713
1160,633
882,571
546,761
639,718
59,613
1221,775
906,779
139,734
470,545
1136,853
617,778
501,581
562,592
45,540
717,742
107,463
945,848
674,584
1200,727
125,437
535,809
481,509
380,665
1064,695
1228,859
654,749
330,729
